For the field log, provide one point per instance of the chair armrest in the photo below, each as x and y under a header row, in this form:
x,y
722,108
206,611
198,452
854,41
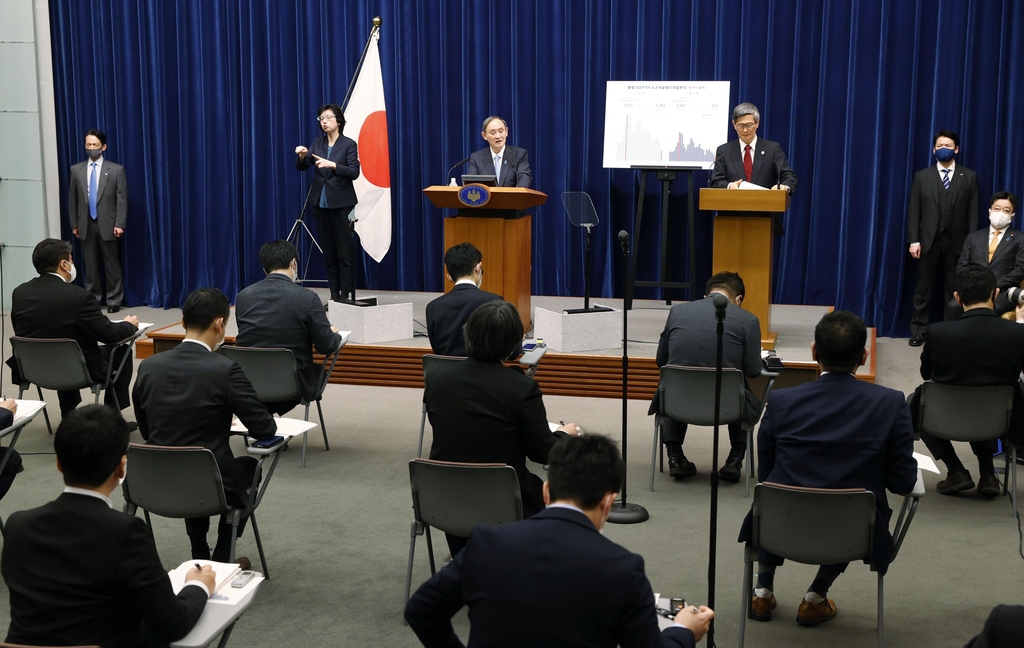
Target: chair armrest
x,y
533,356
769,374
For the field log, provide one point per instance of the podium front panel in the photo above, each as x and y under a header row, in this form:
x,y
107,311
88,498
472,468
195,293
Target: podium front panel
x,y
744,244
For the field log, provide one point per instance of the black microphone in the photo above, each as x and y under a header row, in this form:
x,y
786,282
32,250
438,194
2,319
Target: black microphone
x,y
457,164
721,302
624,241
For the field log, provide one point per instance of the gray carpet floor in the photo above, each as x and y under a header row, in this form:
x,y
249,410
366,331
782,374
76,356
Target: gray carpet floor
x,y
337,535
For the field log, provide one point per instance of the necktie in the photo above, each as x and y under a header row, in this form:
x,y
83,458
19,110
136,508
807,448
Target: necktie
x,y
945,178
497,168
93,184
993,245
748,163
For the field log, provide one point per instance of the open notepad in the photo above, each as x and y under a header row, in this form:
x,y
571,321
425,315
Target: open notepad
x,y
222,590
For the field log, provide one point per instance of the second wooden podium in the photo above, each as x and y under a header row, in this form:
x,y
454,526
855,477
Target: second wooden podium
x,y
502,231
744,238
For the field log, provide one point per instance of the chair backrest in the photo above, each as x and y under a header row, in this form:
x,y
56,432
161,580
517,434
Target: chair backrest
x,y
965,413
456,497
814,526
431,361
178,482
10,645
51,364
688,395
272,372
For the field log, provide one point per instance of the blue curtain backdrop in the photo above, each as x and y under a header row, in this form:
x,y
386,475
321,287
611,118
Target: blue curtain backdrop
x,y
204,102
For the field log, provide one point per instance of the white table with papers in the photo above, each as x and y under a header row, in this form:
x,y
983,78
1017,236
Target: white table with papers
x,y
27,410
224,607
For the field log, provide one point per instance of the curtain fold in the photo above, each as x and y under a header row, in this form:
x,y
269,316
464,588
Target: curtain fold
x,y
204,102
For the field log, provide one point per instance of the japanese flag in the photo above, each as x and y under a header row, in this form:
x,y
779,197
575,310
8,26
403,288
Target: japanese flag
x,y
366,123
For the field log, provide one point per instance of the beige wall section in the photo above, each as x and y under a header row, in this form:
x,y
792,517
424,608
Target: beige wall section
x,y
29,181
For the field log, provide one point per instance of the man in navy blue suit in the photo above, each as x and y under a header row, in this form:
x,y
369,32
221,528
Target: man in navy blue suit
x,y
553,580
509,164
835,432
448,314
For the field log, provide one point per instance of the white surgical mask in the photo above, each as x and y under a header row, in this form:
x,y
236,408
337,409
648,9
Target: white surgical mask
x,y
999,219
74,272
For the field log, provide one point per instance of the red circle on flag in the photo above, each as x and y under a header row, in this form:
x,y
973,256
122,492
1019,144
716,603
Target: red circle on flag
x,y
373,149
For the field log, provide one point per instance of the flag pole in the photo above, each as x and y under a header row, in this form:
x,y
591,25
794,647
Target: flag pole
x,y
359,66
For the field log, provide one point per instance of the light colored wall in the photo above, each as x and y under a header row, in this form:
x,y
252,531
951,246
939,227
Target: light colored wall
x,y
29,192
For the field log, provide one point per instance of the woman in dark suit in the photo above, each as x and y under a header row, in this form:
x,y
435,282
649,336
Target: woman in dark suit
x,y
332,196
484,412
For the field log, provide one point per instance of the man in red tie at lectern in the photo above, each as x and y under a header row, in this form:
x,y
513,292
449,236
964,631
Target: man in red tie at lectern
x,y
752,160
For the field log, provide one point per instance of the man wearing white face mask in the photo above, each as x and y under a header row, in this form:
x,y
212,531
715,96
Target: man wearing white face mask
x,y
52,306
186,397
998,247
277,313
554,579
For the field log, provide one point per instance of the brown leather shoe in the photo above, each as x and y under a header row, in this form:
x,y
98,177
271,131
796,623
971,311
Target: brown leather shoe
x,y
954,483
989,486
761,608
812,614
244,563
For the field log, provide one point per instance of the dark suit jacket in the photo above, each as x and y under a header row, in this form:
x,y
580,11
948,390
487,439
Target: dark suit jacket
x,y
186,396
447,314
515,166
80,573
6,418
690,339
484,412
923,213
839,432
340,193
46,307
111,199
1007,263
550,581
1003,629
765,156
980,348
276,313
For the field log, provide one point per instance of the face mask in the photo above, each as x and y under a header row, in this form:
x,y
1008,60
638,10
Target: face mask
x,y
74,273
218,345
120,480
295,273
944,154
999,219
94,154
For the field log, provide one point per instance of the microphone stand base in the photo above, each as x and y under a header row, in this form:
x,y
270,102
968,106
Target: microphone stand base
x,y
627,513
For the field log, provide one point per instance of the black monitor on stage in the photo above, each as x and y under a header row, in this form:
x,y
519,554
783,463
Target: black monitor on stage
x,y
486,180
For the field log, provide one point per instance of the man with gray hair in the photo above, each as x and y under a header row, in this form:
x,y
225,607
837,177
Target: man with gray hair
x,y
751,159
509,164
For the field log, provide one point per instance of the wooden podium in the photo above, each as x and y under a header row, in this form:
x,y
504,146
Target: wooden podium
x,y
743,243
501,231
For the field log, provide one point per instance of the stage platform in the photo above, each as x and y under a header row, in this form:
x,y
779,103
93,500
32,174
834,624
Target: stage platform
x,y
594,373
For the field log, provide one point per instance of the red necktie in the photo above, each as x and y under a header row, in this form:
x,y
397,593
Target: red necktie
x,y
748,163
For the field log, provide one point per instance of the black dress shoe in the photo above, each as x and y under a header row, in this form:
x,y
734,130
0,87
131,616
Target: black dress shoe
x,y
916,339
730,472
678,466
132,426
113,309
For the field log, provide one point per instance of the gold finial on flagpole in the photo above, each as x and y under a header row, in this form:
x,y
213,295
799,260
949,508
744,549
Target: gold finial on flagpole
x,y
377,21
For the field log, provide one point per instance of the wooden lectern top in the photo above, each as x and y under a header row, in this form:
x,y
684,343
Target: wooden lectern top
x,y
743,201
510,198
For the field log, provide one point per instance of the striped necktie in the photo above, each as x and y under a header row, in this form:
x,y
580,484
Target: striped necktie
x,y
945,178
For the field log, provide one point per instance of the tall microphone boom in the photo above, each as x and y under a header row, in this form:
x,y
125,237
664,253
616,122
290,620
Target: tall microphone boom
x,y
454,166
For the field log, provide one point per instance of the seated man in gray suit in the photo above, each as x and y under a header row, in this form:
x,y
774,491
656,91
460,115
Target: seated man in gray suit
x,y
690,339
278,313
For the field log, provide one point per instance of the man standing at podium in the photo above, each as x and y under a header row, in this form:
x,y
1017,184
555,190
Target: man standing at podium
x,y
510,165
749,159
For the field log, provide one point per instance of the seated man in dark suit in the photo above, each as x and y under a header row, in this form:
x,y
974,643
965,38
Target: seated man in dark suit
x,y
980,348
52,306
1003,629
553,580
484,412
998,247
447,314
8,408
81,572
509,164
278,313
186,396
690,339
835,432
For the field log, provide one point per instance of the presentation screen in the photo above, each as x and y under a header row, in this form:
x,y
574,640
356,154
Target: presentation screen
x,y
665,123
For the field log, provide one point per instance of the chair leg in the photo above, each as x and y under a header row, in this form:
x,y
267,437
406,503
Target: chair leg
x,y
413,532
748,587
259,545
39,390
654,453
430,550
304,435
1012,468
750,462
881,611
323,428
423,427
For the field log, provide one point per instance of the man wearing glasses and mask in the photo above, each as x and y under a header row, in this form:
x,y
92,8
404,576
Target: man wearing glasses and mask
x,y
998,247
